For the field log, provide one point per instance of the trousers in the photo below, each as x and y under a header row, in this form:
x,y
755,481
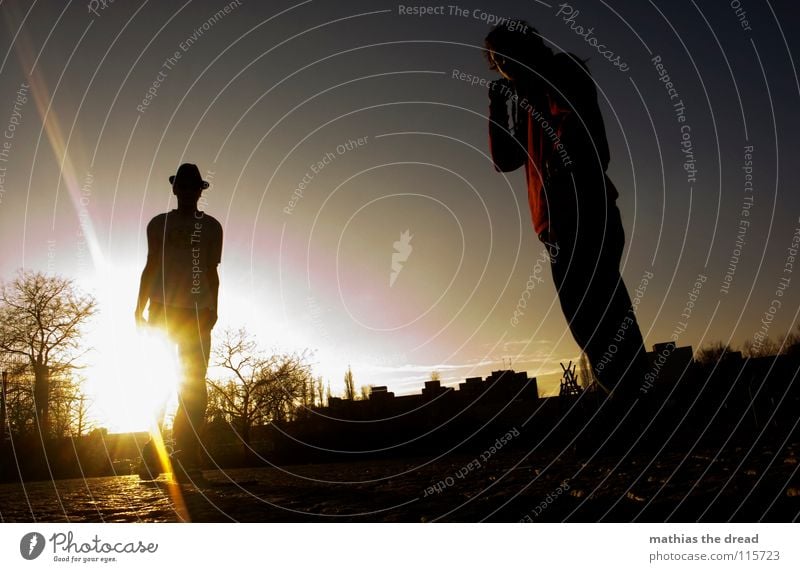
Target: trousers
x,y
190,330
585,265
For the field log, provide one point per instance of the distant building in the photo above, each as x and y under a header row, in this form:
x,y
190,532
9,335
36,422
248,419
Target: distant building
x,y
668,363
514,385
434,388
501,387
471,385
380,392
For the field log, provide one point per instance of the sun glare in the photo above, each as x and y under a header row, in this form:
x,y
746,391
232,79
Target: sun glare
x,y
132,373
137,381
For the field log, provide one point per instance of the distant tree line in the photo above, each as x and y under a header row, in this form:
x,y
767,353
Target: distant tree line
x,y
785,344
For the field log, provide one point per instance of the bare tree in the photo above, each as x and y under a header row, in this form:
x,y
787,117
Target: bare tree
x,y
69,408
436,376
260,388
79,409
365,392
712,353
764,348
41,317
320,392
791,342
349,385
64,392
19,407
237,397
284,379
308,393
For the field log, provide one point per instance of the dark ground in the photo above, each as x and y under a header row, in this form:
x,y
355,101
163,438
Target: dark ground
x,y
511,486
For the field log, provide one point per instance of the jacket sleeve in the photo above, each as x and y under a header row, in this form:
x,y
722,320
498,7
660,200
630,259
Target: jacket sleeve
x,y
584,133
507,144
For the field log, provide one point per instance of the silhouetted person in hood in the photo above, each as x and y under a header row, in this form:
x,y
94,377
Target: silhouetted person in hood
x,y
555,130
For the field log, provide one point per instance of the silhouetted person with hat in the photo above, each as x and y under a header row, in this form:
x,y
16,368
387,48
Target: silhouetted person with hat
x,y
556,131
181,284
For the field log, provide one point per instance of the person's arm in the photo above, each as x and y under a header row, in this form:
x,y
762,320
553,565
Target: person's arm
x,y
148,274
144,289
213,285
212,276
507,146
584,129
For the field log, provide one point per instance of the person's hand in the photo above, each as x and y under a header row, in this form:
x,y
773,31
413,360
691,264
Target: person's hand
x,y
139,317
500,90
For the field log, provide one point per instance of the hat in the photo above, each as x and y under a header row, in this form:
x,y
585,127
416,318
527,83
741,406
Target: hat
x,y
188,175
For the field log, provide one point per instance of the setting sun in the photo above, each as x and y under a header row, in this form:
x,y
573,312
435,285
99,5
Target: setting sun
x,y
131,374
136,382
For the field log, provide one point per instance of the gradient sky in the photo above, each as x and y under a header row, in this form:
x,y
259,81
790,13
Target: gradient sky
x,y
271,88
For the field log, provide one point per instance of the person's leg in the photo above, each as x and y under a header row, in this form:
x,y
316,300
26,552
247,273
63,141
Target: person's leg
x,y
573,265
151,463
624,369
621,359
596,303
599,312
157,320
193,351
